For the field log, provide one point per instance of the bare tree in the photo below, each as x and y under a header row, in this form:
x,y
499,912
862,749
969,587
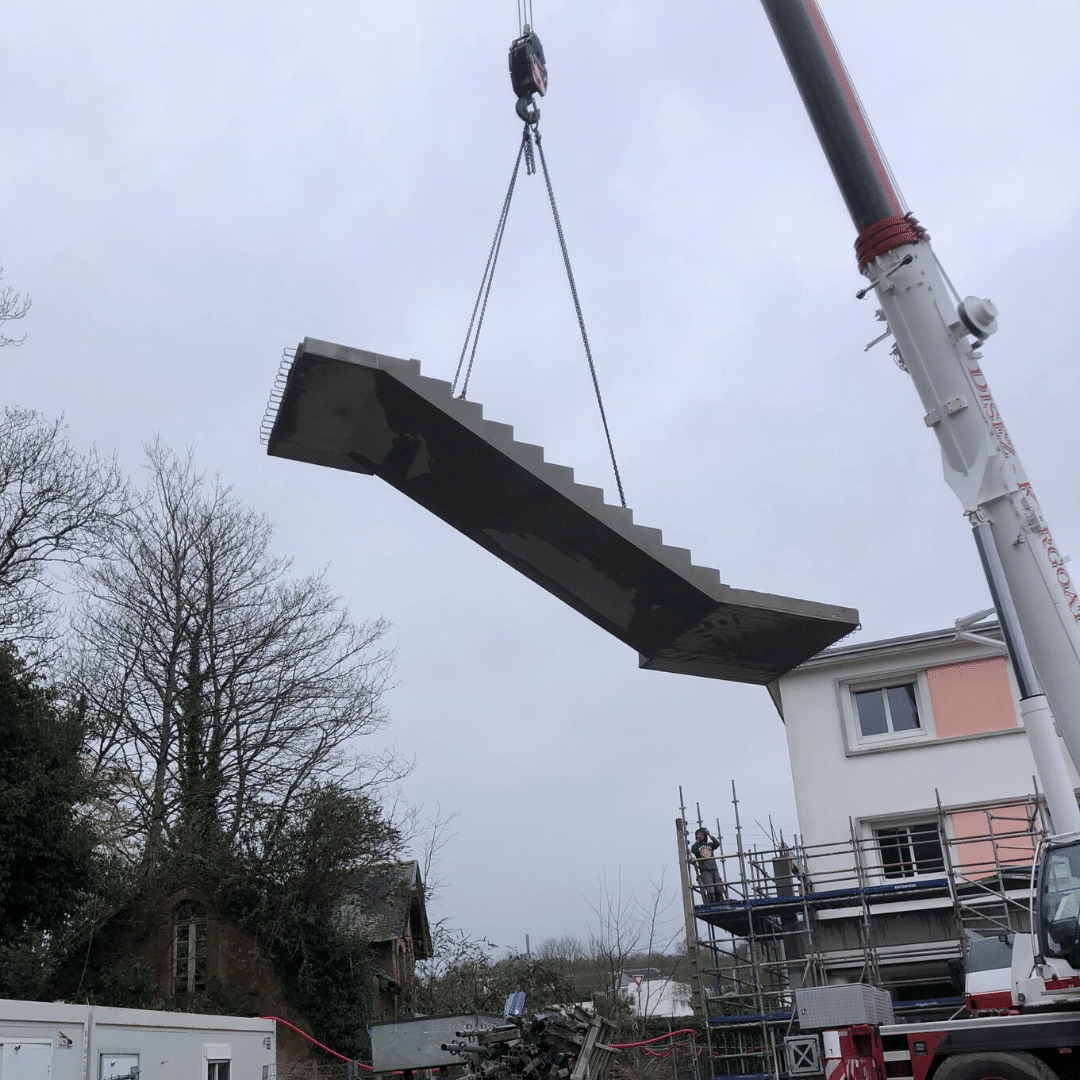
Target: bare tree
x,y
627,932
219,686
451,947
13,306
658,933
56,506
565,948
432,835
464,976
614,936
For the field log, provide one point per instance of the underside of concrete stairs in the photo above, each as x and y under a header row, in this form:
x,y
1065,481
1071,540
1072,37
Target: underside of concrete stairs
x,y
355,410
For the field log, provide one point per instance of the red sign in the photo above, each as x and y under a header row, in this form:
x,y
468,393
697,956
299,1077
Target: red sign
x,y
638,980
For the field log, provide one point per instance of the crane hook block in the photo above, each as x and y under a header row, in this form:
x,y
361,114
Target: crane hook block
x,y
528,74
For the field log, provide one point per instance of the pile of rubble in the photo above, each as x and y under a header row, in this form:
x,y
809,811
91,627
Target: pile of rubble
x,y
556,1044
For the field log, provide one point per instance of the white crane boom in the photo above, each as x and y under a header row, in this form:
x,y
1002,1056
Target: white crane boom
x,y
939,341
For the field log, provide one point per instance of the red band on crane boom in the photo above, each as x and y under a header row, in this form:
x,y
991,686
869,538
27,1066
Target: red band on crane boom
x,y
887,234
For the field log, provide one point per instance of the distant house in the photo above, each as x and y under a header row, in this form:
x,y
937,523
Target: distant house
x,y
202,958
387,905
202,962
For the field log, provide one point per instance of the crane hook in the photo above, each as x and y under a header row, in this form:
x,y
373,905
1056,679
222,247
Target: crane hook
x,y
527,110
528,74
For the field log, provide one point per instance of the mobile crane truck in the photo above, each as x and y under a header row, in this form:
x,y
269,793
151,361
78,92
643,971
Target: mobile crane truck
x,y
1031,1030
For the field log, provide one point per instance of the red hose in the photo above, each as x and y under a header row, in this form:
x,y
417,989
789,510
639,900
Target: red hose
x,y
314,1042
649,1042
343,1057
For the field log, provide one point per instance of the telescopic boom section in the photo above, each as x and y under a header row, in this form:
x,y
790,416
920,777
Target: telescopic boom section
x,y
938,342
830,99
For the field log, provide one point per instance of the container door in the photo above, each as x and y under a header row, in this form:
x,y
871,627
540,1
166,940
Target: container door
x,y
27,1060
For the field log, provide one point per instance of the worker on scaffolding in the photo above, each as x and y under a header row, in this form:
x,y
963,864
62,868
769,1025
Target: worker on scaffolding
x,y
703,850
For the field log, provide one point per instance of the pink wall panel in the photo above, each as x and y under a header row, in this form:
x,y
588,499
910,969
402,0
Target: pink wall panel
x,y
979,835
971,698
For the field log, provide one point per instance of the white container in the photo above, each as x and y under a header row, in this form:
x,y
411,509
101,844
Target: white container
x,y
55,1041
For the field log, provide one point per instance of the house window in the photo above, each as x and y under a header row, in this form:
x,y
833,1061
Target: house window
x,y
907,850
189,950
218,1070
887,709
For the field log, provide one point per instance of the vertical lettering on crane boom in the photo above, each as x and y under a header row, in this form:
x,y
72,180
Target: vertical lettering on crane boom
x,y
990,411
1054,557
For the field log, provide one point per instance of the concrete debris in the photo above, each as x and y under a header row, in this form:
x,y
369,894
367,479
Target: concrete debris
x,y
557,1044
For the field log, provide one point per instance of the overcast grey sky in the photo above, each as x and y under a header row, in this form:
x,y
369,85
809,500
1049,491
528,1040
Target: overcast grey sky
x,y
188,188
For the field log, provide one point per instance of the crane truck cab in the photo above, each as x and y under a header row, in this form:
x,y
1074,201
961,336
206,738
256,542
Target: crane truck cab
x,y
1042,968
1057,901
1046,964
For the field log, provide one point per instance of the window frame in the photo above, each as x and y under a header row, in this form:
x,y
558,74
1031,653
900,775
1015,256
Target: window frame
x,y
857,742
215,1055
917,822
104,1054
194,979
1062,949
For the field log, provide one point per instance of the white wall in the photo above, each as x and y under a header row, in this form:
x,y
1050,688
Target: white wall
x,y
43,1041
659,997
835,778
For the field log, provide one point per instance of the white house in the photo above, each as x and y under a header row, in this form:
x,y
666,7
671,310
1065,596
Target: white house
x,y
919,817
879,734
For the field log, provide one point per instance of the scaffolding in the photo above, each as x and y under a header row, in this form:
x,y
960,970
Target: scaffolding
x,y
895,908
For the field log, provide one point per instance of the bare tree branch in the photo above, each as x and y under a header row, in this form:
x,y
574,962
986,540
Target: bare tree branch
x,y
13,306
613,937
56,506
431,835
624,929
220,685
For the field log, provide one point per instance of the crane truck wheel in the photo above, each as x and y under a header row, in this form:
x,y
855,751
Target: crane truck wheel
x,y
993,1065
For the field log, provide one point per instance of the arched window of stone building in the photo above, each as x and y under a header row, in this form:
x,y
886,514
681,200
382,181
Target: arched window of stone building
x,y
189,947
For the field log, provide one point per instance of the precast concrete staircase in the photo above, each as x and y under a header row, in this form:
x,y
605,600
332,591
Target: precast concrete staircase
x,y
355,410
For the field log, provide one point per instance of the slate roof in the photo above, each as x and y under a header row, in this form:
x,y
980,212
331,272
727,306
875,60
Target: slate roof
x,y
387,901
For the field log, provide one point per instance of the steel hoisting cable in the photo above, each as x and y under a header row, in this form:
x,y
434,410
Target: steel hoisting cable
x,y
580,317
525,14
480,306
525,149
